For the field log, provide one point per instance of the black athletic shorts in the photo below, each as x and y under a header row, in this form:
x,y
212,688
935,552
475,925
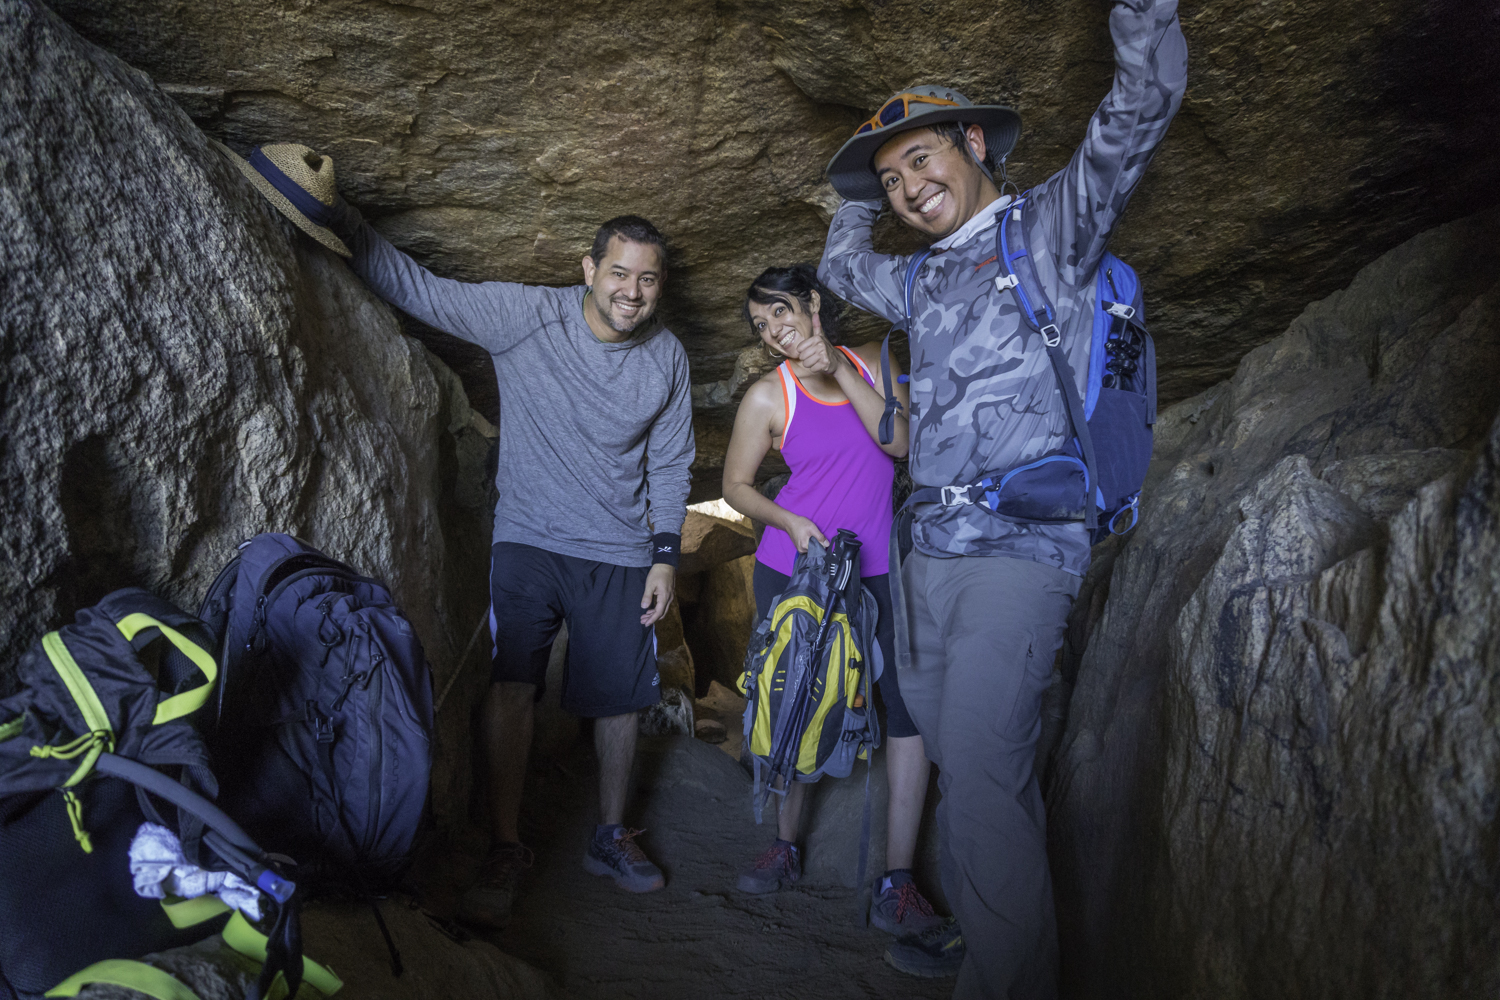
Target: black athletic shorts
x,y
769,582
611,664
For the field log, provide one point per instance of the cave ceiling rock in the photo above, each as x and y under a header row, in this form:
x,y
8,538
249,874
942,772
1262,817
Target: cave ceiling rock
x,y
1283,742
489,140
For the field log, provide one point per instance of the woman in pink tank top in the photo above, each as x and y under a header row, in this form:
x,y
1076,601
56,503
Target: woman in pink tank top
x,y
821,409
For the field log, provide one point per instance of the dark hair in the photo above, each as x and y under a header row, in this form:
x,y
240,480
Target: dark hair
x,y
954,133
794,286
632,228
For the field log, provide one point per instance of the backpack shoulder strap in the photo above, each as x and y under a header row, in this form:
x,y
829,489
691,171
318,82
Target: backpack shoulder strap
x,y
887,428
1019,274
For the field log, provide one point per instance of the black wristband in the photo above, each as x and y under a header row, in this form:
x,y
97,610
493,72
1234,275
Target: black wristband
x,y
666,548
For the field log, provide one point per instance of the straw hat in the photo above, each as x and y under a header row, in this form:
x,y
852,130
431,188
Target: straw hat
x,y
851,170
298,182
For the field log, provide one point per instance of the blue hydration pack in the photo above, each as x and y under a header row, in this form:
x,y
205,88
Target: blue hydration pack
x,y
1112,425
321,730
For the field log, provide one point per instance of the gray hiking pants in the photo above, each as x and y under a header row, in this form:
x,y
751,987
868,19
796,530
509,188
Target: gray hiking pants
x,y
984,632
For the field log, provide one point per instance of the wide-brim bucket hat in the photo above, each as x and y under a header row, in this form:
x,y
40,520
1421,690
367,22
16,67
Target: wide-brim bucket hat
x,y
298,182
852,171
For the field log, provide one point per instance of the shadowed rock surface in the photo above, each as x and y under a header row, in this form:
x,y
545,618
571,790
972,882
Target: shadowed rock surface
x,y
1279,771
180,374
489,140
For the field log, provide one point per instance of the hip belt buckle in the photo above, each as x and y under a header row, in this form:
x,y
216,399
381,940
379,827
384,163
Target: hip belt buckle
x,y
956,496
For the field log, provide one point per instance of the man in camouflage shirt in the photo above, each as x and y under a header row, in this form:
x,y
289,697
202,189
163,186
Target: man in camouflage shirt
x,y
986,598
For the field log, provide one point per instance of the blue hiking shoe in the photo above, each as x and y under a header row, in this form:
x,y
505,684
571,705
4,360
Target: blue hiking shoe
x,y
614,852
899,908
934,954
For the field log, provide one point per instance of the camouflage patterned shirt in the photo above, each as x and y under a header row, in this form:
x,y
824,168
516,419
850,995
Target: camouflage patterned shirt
x,y
983,395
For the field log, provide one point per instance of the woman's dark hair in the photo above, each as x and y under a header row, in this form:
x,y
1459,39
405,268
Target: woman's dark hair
x,y
794,286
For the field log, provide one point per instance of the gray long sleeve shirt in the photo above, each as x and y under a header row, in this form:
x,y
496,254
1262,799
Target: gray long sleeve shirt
x,y
595,438
983,395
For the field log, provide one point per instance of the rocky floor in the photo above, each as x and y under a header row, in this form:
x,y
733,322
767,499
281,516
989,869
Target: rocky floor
x,y
697,937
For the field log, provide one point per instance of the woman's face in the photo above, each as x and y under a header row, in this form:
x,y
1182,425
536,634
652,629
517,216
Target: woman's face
x,y
784,325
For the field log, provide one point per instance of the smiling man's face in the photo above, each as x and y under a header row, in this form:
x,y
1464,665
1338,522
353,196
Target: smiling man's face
x,y
934,186
626,285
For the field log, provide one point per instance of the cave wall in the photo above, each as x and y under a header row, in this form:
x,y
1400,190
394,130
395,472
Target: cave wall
x,y
490,139
182,372
1279,772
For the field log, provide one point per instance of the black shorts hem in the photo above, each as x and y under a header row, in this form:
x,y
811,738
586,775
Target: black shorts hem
x,y
610,711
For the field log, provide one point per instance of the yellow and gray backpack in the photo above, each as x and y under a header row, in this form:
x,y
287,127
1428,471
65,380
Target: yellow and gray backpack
x,y
809,673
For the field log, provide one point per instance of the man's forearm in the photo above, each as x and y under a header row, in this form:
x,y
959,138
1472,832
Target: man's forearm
x,y
852,269
1086,198
473,312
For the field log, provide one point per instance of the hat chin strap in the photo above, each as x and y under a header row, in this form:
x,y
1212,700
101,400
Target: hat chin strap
x,y
1005,181
987,172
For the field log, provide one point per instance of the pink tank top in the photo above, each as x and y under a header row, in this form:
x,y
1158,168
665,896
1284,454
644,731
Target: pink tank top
x,y
840,477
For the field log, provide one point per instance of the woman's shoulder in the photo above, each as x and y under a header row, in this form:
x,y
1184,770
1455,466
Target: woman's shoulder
x,y
765,392
868,352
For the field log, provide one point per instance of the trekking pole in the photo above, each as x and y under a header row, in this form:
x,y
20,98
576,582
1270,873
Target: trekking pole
x,y
458,665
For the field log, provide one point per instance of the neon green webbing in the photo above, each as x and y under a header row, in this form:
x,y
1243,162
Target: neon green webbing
x,y
251,943
191,912
137,976
77,684
12,728
187,702
99,739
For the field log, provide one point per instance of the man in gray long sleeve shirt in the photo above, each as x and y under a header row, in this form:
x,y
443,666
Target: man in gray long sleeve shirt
x,y
596,440
987,598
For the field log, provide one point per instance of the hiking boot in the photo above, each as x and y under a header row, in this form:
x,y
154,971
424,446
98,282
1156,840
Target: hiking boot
x,y
778,865
614,852
900,909
487,901
935,953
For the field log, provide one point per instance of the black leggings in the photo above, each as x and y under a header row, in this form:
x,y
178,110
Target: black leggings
x,y
768,583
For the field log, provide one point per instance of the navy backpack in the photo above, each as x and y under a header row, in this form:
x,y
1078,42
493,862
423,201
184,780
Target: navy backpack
x,y
1112,425
320,731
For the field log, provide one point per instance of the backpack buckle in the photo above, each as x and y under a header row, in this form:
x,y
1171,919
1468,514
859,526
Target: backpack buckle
x,y
1006,281
1051,335
1120,309
956,496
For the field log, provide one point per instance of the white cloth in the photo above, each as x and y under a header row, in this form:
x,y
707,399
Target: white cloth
x,y
982,220
159,869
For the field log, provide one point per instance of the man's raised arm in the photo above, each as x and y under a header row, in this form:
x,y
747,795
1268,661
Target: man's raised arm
x,y
1080,204
856,273
483,313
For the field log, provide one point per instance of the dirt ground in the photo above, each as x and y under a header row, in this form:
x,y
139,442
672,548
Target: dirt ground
x,y
699,936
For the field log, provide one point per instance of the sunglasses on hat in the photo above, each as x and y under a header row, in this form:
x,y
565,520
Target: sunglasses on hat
x,y
899,107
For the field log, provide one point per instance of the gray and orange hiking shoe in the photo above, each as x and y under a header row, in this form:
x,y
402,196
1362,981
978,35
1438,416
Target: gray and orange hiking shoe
x,y
488,900
614,852
934,954
899,908
778,865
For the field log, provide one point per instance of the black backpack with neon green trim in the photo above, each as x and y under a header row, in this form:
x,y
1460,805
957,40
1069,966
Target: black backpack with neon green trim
x,y
101,719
